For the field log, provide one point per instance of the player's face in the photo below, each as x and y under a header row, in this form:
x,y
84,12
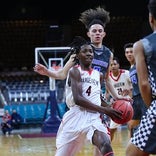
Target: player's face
x,y
129,54
96,33
114,66
86,55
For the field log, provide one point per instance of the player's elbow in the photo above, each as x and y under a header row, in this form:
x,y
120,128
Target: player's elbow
x,y
60,76
63,77
78,100
144,85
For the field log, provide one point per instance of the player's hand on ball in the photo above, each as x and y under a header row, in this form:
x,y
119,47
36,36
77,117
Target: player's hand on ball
x,y
112,113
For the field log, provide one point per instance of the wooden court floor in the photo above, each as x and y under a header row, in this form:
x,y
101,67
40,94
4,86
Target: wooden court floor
x,y
15,145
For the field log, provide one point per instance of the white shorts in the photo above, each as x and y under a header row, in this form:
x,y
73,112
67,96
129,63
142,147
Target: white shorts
x,y
113,125
78,125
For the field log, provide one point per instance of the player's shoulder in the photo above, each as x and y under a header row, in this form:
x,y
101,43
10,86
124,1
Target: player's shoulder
x,y
74,68
124,71
104,46
77,66
107,49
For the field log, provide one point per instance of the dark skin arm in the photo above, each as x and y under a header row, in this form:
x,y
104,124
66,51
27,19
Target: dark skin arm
x,y
83,102
142,71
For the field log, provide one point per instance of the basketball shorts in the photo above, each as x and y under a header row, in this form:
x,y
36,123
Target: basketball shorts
x,y
139,107
114,125
78,126
145,136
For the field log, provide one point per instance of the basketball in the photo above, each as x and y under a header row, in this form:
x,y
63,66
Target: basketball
x,y
126,108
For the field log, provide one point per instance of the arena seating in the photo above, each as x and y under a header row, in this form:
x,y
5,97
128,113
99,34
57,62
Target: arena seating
x,y
28,93
35,113
31,113
24,87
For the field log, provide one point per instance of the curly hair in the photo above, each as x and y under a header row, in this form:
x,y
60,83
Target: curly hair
x,y
77,42
95,16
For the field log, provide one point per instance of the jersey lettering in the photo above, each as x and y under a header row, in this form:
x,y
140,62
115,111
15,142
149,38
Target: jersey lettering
x,y
134,79
119,91
88,91
98,68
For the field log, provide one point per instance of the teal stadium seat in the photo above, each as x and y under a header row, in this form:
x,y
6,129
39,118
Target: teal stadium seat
x,y
34,113
31,113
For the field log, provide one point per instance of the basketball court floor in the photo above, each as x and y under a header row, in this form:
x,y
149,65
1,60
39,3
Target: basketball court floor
x,y
29,142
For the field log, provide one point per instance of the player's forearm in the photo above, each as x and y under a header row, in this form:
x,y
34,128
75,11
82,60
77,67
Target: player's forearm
x,y
66,68
130,93
53,74
145,90
62,73
111,90
86,104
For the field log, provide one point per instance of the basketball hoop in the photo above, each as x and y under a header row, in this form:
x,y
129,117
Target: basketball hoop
x,y
55,64
55,67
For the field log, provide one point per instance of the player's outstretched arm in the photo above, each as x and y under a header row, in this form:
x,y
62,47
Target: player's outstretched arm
x,y
60,74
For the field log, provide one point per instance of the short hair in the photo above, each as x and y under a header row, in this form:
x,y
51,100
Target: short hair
x,y
152,7
128,45
95,16
116,59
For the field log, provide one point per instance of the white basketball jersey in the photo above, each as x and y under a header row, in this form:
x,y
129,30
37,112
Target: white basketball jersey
x,y
91,87
120,82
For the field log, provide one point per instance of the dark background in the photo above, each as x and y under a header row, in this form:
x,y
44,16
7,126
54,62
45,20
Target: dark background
x,y
24,25
65,11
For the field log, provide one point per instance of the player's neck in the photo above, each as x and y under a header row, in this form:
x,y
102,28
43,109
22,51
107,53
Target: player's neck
x,y
97,45
132,64
116,73
87,68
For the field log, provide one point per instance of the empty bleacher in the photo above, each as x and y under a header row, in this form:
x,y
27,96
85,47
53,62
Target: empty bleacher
x,y
28,93
24,87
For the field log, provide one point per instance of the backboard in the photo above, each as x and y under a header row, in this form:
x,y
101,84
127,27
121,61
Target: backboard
x,y
53,58
42,54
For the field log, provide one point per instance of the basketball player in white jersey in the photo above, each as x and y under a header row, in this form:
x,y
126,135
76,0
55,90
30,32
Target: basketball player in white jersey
x,y
82,120
121,83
